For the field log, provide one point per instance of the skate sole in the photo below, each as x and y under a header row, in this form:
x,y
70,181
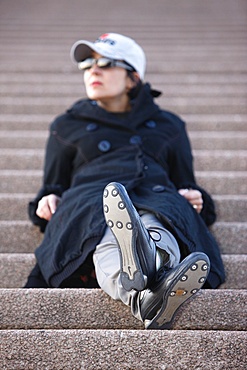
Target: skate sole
x,y
122,222
188,282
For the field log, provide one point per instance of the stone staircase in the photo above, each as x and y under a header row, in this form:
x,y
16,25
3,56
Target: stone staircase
x,y
197,53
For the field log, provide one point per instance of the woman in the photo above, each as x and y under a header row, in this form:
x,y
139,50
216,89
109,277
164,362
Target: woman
x,y
148,242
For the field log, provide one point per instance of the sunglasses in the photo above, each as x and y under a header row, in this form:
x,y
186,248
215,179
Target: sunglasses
x,y
103,63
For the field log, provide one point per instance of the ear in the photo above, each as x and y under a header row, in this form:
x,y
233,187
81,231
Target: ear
x,y
133,79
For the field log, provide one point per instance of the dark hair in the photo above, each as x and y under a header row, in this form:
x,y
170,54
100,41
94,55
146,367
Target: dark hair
x,y
138,84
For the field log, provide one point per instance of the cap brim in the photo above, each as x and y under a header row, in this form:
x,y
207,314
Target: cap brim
x,y
81,50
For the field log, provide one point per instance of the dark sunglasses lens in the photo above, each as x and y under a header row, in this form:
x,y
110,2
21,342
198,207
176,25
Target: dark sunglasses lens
x,y
101,63
86,64
104,63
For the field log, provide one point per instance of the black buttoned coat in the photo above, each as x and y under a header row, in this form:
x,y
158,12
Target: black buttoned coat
x,y
148,151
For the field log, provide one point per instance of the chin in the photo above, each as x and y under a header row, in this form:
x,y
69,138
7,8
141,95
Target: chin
x,y
94,95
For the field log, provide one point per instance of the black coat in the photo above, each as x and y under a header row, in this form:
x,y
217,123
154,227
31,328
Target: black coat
x,y
148,151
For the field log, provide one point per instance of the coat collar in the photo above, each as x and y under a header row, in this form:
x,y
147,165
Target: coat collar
x,y
143,108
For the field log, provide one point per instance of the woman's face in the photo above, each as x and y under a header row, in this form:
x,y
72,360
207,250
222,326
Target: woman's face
x,y
108,86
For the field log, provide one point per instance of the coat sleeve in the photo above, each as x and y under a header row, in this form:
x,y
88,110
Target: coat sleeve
x,y
58,168
182,172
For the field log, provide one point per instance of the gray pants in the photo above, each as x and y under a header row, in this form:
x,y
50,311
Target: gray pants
x,y
107,262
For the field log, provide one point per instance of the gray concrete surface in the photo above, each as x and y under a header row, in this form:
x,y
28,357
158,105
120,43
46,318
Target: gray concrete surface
x,y
204,160
22,237
197,52
94,309
202,140
122,350
15,267
223,182
229,207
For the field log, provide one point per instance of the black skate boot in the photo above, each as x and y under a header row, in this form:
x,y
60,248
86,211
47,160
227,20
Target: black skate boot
x,y
137,248
171,288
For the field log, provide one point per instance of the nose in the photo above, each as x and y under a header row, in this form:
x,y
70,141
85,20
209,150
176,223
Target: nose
x,y
95,69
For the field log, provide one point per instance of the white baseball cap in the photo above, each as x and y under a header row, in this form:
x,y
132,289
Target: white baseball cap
x,y
114,46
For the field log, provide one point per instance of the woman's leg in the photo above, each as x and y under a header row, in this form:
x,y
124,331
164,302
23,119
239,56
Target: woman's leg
x,y
142,268
157,305
107,260
165,241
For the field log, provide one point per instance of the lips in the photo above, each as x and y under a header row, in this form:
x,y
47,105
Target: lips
x,y
96,83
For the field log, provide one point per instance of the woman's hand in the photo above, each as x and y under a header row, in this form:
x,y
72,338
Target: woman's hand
x,y
194,197
47,206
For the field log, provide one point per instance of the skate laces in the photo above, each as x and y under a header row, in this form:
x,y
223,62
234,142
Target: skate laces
x,y
150,231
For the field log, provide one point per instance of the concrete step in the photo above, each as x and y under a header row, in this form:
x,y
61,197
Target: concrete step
x,y
72,308
229,208
205,140
122,349
204,160
202,140
44,89
23,139
223,34
182,49
225,205
23,181
202,122
59,65
235,267
23,159
220,160
187,79
204,80
231,236
215,35
29,181
228,183
211,34
23,237
215,122
15,267
42,121
179,105
213,16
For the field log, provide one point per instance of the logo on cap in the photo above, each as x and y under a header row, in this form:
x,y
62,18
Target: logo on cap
x,y
103,38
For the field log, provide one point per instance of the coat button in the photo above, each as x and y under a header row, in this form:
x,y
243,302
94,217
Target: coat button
x,y
150,124
92,127
158,188
104,146
136,139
